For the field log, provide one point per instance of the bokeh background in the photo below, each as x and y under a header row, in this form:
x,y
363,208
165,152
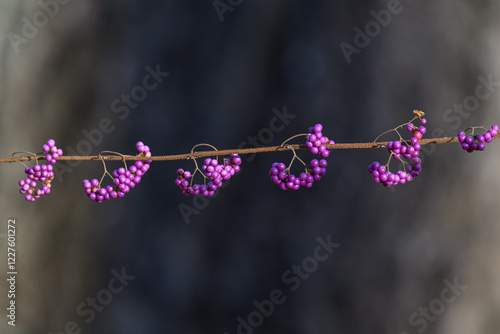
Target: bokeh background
x,y
232,67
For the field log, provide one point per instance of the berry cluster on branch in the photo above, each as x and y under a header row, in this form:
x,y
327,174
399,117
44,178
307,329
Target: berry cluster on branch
x,y
473,143
212,171
124,178
40,173
316,142
410,149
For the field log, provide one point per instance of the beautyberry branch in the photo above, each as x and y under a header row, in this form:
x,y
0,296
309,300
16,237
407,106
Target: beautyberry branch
x,y
214,173
339,146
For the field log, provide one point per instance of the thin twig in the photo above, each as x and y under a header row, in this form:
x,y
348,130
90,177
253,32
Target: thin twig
x,y
341,146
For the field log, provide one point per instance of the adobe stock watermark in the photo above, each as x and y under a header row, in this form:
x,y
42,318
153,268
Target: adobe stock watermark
x,y
292,279
88,309
221,7
121,107
372,29
277,123
11,270
47,10
436,307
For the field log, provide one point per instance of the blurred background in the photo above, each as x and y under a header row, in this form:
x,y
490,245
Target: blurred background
x,y
95,76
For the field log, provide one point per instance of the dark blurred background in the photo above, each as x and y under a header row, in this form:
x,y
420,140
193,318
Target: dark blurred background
x,y
418,258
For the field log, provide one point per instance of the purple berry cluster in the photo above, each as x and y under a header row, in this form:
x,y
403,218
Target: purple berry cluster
x,y
399,150
52,151
214,171
281,176
478,142
316,141
382,175
40,173
124,179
